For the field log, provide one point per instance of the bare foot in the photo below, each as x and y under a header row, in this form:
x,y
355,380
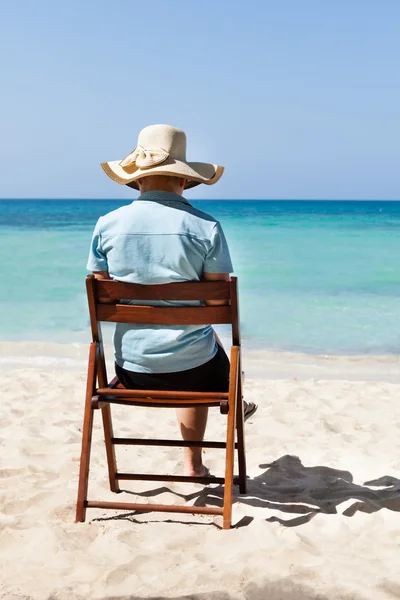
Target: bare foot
x,y
203,471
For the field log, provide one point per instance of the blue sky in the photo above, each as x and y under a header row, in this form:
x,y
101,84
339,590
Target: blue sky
x,y
296,98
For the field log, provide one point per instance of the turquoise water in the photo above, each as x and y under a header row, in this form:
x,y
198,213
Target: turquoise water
x,y
316,277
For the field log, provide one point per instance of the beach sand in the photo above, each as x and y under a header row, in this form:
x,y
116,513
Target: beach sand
x,y
308,528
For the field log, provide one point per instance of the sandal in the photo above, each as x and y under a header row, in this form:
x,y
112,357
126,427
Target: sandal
x,y
249,408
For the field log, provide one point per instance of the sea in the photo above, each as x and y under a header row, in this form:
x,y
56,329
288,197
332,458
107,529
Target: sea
x,y
316,277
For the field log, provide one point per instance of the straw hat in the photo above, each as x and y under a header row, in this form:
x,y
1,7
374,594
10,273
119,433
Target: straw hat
x,y
161,150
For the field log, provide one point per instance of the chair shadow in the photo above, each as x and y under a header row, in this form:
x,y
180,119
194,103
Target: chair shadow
x,y
131,516
288,486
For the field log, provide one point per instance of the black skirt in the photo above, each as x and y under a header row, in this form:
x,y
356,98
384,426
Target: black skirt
x,y
213,376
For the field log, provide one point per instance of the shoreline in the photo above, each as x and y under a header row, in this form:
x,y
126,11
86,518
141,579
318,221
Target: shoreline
x,y
257,363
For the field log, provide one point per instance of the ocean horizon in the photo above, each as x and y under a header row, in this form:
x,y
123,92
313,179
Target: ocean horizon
x,y
315,276
66,199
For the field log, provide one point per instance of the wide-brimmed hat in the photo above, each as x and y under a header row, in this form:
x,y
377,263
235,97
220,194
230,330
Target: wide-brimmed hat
x,y
161,150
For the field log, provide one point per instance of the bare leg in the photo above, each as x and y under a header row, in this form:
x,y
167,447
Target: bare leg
x,y
192,422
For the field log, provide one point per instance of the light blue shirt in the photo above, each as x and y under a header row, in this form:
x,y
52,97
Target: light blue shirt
x,y
160,238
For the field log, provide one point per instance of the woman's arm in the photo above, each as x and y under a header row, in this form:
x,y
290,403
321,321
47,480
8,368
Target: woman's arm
x,y
103,275
216,277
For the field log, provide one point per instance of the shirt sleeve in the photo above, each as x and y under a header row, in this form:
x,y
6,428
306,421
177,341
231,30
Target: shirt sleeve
x,y
97,260
218,259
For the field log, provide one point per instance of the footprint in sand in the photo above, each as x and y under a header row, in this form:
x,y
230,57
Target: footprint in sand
x,y
6,473
21,506
40,477
120,574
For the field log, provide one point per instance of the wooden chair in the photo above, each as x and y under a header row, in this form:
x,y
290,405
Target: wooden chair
x,y
100,395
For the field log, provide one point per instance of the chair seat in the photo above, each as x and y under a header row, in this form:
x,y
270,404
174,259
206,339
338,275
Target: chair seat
x,y
122,392
121,395
117,393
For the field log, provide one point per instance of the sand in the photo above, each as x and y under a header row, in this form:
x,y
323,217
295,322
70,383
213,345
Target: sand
x,y
320,519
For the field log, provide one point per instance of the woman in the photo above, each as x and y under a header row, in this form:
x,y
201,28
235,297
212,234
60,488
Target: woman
x,y
161,238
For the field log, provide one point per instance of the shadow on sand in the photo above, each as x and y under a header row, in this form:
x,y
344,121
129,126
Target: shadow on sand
x,y
289,487
283,589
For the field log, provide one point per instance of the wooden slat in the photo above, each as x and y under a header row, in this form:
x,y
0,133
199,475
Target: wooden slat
x,y
191,290
162,394
171,315
180,478
156,404
172,508
175,443
235,312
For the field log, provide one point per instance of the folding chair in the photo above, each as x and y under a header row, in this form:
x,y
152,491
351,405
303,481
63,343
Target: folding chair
x,y
99,395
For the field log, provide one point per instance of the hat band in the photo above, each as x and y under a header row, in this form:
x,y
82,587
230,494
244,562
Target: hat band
x,y
144,158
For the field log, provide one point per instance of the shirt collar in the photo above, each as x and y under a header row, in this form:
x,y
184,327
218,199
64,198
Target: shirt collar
x,y
161,196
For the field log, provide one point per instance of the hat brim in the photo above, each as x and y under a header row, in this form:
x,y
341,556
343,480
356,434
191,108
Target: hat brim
x,y
194,172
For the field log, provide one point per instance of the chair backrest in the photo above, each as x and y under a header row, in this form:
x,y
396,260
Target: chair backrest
x,y
104,294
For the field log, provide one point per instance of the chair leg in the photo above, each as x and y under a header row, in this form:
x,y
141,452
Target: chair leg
x,y
86,439
230,439
110,448
229,464
240,436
